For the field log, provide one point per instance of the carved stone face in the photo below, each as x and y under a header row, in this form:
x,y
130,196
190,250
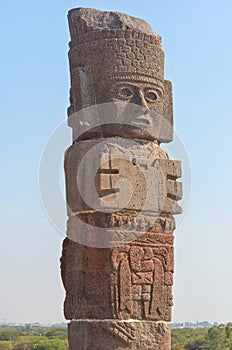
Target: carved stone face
x,y
149,98
146,95
143,109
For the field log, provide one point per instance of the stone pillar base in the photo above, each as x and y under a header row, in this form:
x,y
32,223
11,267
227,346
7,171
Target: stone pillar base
x,y
118,335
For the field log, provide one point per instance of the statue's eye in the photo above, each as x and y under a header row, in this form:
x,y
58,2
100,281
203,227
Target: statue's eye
x,y
125,92
150,95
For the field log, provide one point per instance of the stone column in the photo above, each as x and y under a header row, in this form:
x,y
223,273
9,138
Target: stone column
x,y
117,263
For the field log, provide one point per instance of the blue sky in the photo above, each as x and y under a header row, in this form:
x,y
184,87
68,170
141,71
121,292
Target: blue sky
x,y
34,96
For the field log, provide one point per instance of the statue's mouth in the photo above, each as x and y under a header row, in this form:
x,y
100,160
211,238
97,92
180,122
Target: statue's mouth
x,y
145,120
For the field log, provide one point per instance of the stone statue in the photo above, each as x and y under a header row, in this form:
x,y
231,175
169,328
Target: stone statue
x,y
118,262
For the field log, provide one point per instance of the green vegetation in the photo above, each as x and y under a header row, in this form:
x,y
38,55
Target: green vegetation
x,y
33,338
215,338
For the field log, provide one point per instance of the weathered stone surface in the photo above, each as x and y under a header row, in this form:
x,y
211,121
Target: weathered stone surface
x,y
118,258
126,221
83,20
118,335
122,175
114,57
104,230
128,282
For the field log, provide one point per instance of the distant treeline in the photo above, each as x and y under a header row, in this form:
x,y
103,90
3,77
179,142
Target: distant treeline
x,y
214,338
197,324
31,337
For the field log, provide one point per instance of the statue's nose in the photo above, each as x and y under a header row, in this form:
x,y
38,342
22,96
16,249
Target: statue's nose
x,y
139,99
